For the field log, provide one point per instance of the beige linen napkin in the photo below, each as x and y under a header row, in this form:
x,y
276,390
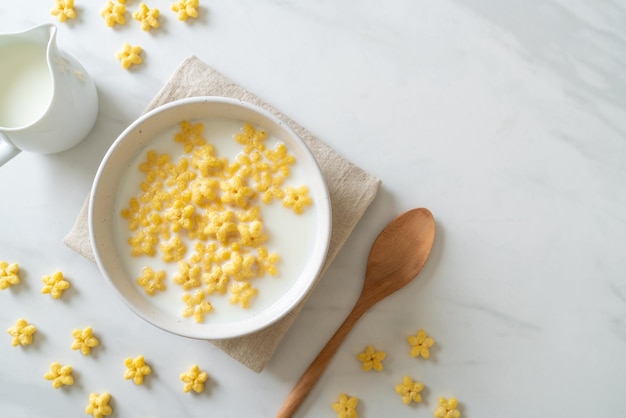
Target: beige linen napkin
x,y
351,192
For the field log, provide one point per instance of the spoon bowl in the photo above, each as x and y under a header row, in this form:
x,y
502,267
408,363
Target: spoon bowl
x,y
397,256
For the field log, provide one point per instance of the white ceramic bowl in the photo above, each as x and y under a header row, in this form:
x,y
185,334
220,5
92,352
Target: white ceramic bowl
x,y
103,209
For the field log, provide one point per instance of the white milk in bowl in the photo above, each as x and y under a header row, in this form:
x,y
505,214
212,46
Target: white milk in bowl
x,y
25,84
209,212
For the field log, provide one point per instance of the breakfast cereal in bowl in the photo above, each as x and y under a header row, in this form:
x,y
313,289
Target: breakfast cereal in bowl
x,y
210,217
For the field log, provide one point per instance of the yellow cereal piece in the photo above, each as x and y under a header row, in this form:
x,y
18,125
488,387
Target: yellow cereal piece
x,y
251,138
236,191
22,332
216,280
9,274
280,159
194,379
190,135
410,390
188,276
346,407
152,281
136,369
372,359
273,193
242,292
221,225
297,198
180,215
447,408
63,10
99,405
129,55
113,14
173,250
252,234
186,9
54,285
84,340
143,243
196,306
240,267
420,344
148,17
60,375
204,191
154,161
266,262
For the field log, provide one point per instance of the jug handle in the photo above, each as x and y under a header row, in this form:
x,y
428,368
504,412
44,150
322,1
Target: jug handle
x,y
7,150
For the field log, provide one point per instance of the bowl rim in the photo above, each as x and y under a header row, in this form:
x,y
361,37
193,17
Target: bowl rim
x,y
255,322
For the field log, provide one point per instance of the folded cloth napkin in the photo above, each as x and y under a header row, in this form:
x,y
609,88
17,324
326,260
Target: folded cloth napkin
x,y
351,192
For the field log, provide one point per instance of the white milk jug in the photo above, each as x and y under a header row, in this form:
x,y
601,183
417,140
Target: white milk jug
x,y
48,102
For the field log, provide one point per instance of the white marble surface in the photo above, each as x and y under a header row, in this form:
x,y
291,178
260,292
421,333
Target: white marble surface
x,y
506,118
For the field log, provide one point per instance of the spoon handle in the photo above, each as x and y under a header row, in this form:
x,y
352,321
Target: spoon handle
x,y
317,367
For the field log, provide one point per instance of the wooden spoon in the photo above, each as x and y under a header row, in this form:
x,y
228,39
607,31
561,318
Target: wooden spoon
x,y
396,257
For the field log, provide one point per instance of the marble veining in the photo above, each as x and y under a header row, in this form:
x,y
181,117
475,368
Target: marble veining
x,y
507,119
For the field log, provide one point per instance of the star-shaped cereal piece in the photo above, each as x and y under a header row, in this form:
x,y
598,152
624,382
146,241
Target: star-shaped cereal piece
x,y
148,17
22,332
194,379
180,215
63,10
266,262
99,405
221,225
84,340
129,55
420,344
60,375
448,408
410,390
187,276
252,234
173,250
196,306
9,274
186,8
191,136
372,359
113,14
152,281
136,369
297,198
346,407
236,191
54,284
242,292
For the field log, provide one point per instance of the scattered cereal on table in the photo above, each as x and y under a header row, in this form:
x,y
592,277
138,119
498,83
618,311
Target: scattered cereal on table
x,y
84,340
9,274
372,359
54,285
447,408
152,281
63,10
60,375
186,8
420,344
113,14
129,55
22,332
410,390
346,407
136,369
194,379
99,405
148,17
